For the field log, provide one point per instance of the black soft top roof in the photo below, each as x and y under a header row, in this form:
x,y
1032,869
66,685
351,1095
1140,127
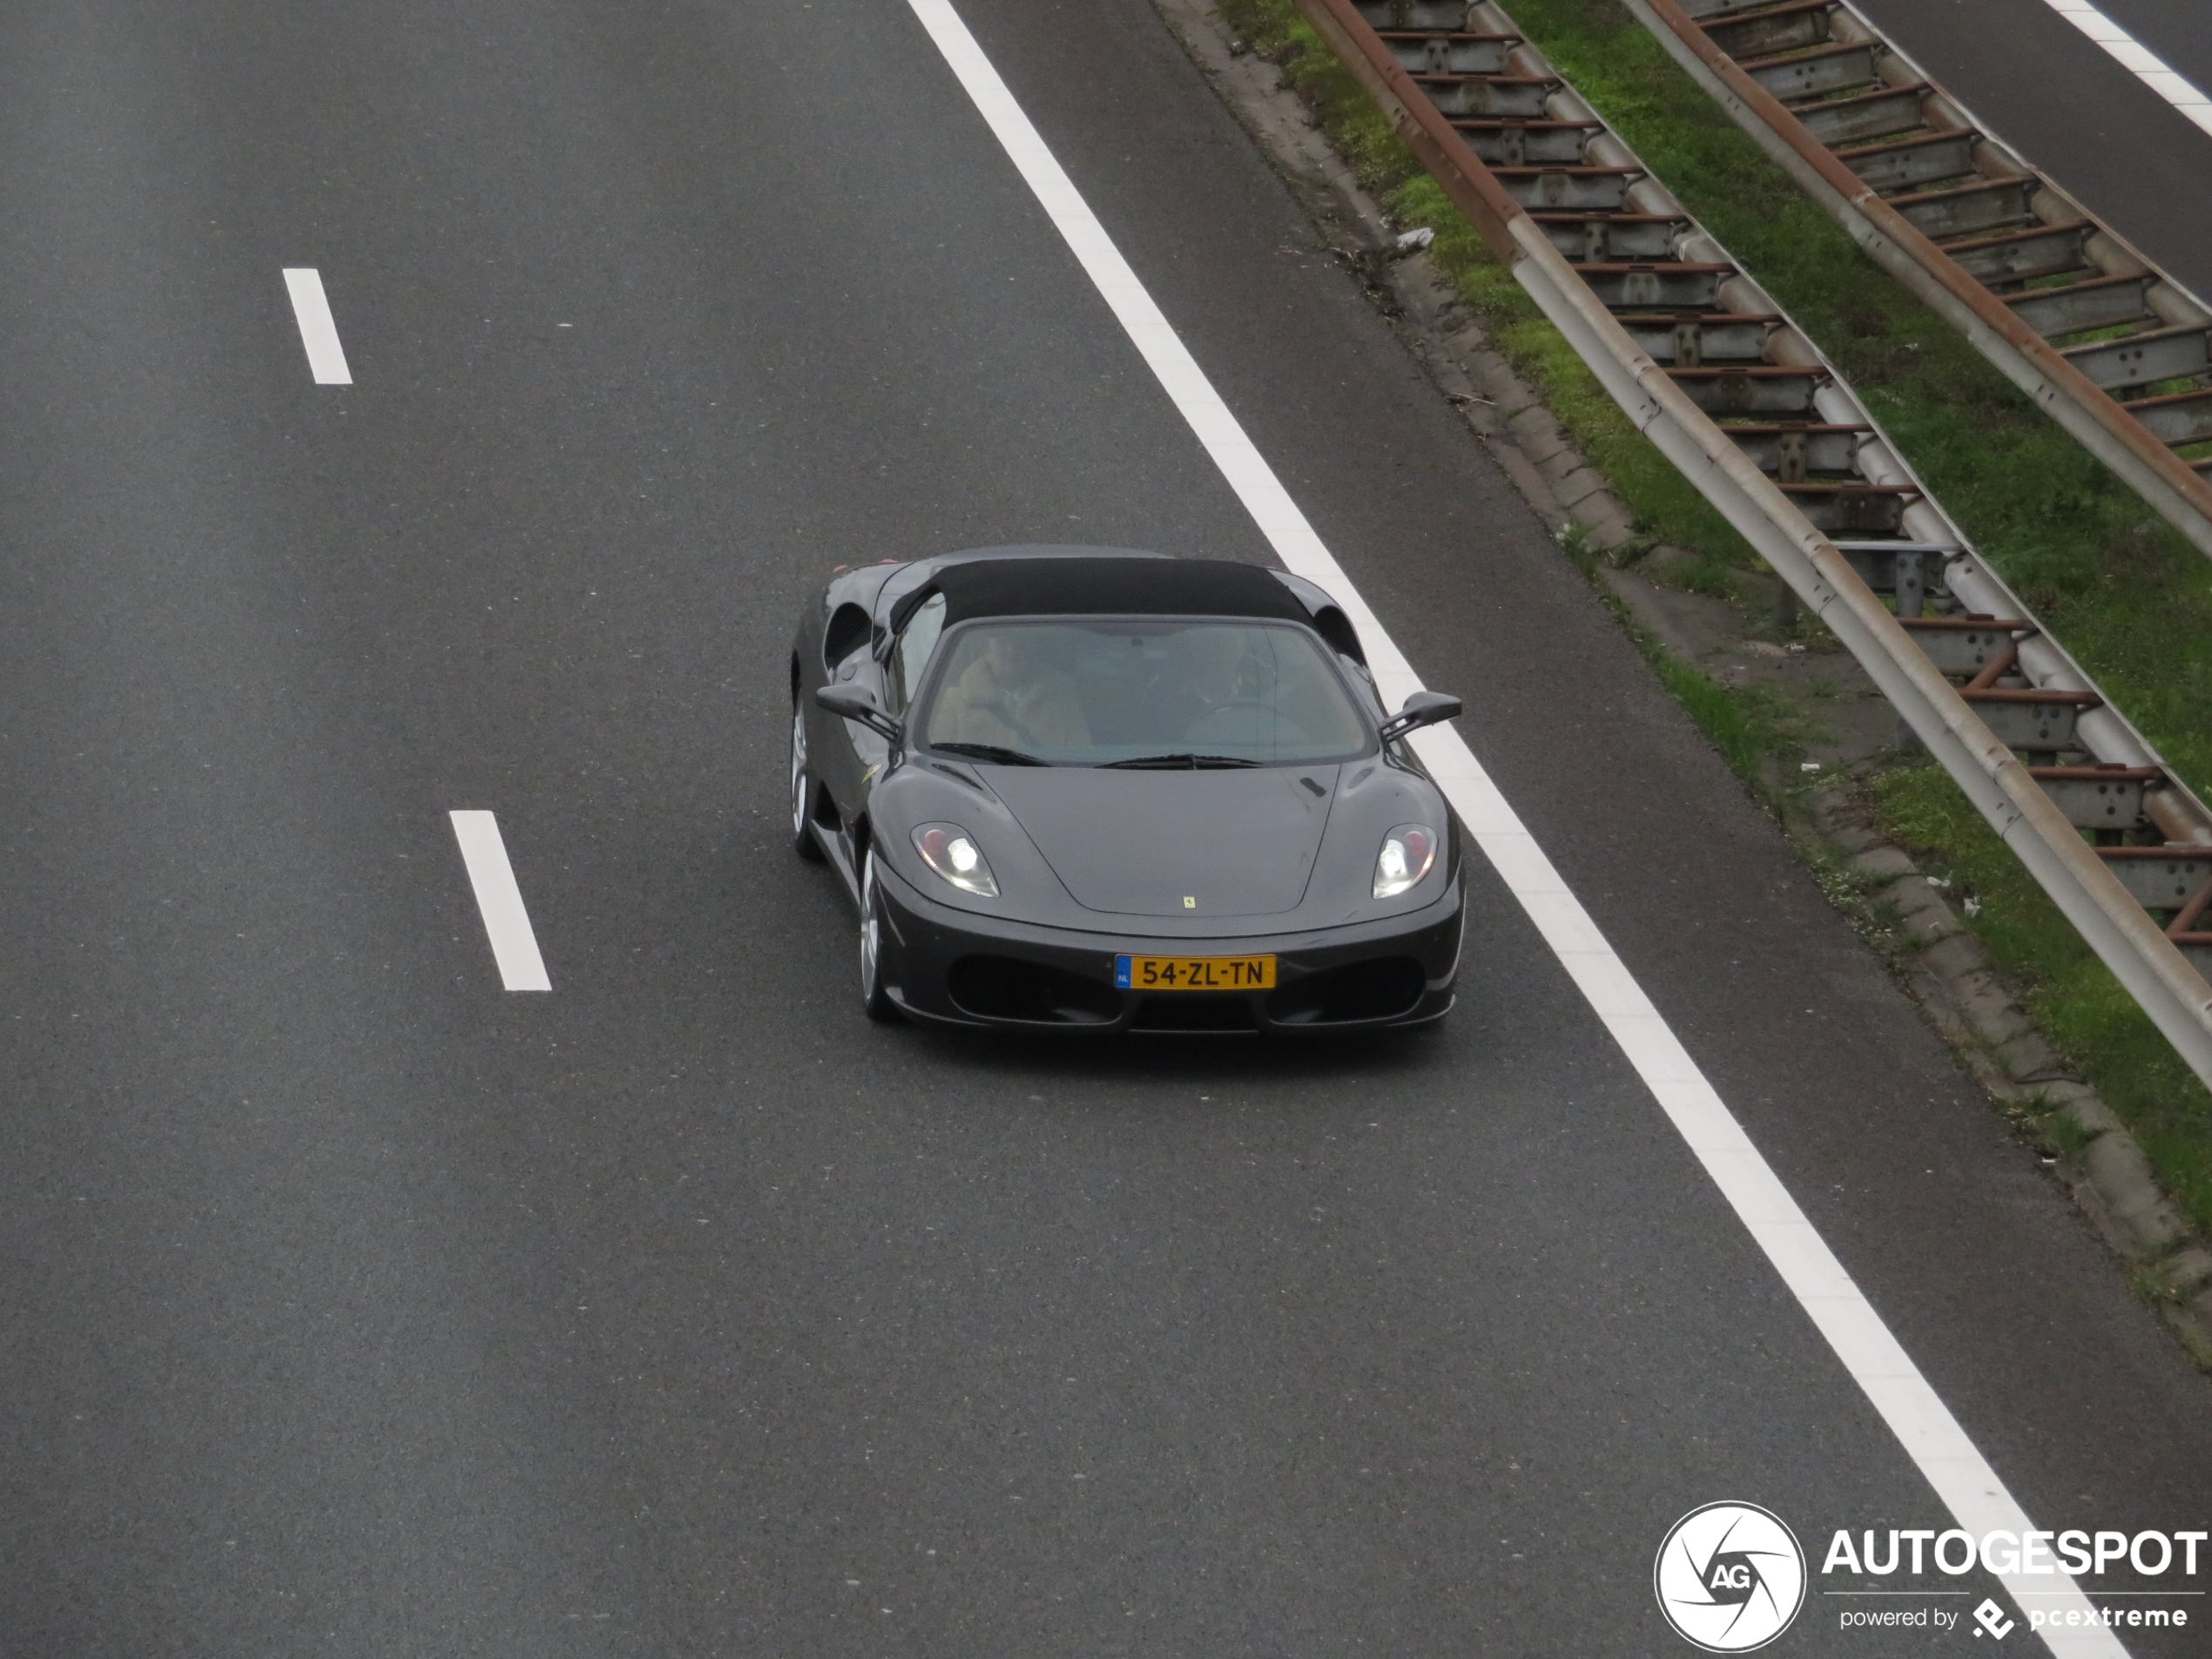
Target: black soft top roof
x,y
1075,587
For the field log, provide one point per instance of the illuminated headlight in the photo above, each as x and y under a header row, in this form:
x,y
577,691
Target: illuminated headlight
x,y
1407,851
951,851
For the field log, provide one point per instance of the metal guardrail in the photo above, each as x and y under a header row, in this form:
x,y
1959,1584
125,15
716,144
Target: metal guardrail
x,y
2114,348
1707,366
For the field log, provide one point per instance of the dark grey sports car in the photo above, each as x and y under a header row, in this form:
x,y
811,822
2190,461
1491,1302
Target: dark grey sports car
x,y
1091,789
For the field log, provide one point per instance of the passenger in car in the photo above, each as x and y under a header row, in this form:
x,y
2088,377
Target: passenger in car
x,y
1005,696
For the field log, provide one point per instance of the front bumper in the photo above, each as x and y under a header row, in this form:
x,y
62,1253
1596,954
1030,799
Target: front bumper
x,y
953,967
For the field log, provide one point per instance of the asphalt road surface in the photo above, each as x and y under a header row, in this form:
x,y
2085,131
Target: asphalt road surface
x,y
351,1305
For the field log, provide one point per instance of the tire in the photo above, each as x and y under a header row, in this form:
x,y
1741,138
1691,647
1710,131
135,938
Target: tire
x,y
806,790
875,1002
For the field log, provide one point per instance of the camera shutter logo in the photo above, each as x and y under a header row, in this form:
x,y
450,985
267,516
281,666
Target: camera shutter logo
x,y
1730,1577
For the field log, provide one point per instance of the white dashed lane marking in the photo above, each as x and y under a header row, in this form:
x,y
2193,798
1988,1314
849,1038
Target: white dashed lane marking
x,y
506,922
318,328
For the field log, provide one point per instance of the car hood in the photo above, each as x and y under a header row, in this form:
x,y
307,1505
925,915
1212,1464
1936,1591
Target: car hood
x,y
1231,842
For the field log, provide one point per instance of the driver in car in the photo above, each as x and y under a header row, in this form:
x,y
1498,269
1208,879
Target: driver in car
x,y
1007,697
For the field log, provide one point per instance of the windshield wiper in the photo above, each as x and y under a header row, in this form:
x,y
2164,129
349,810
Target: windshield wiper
x,y
1177,763
990,752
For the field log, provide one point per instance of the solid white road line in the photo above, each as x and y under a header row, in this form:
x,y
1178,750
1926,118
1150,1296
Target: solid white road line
x,y
318,328
505,920
1922,1423
2150,69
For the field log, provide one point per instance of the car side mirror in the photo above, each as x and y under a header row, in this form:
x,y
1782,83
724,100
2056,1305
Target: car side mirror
x,y
858,702
1423,708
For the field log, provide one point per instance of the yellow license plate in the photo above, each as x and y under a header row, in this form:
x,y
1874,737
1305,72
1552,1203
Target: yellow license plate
x,y
1195,972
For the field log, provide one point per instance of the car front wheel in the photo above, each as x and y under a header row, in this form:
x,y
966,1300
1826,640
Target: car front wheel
x,y
874,998
806,793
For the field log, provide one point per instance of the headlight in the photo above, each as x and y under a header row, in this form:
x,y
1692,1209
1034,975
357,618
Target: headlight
x,y
951,851
1407,851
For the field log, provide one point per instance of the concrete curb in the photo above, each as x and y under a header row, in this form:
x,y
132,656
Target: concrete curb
x,y
2107,1176
1944,968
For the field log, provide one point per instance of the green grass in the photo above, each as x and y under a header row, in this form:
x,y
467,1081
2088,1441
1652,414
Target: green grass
x,y
2073,998
1731,721
2125,593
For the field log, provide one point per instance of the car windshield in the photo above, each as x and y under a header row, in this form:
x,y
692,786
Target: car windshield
x,y
1159,692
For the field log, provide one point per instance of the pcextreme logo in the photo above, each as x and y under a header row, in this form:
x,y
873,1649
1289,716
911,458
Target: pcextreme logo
x,y
1730,1577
